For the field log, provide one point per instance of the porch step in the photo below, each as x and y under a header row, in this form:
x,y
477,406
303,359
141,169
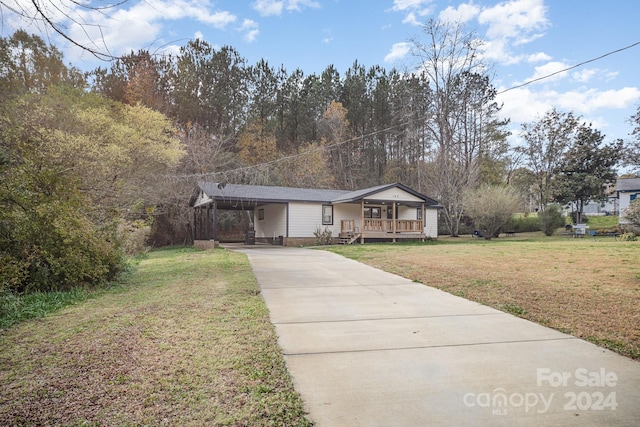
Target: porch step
x,y
349,239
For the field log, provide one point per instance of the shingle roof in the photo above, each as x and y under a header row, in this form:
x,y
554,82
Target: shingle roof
x,y
272,194
358,194
268,193
628,184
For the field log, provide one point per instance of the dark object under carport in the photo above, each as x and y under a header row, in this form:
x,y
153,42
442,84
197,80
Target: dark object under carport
x,y
250,237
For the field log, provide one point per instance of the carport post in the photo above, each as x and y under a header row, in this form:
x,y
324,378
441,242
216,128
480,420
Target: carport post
x,y
215,221
195,224
206,223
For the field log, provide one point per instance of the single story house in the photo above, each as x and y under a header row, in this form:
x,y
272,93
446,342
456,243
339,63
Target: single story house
x,y
291,216
628,190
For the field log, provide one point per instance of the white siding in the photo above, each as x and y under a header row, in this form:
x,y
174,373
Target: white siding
x,y
346,211
305,218
394,194
625,200
408,213
274,222
431,223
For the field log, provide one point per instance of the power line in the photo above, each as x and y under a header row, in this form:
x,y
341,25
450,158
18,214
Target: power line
x,y
362,137
568,68
292,156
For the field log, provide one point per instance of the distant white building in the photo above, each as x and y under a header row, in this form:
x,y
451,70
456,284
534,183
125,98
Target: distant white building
x,y
628,190
595,208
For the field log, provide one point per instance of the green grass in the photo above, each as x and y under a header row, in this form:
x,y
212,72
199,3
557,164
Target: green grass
x,y
186,341
602,222
18,308
530,222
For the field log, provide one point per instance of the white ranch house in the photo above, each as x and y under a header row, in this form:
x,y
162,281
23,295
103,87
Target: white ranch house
x,y
290,216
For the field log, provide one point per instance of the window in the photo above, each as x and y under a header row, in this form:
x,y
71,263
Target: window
x,y
327,214
419,215
633,197
372,212
260,214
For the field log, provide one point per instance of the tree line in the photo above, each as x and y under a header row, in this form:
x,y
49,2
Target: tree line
x,y
110,157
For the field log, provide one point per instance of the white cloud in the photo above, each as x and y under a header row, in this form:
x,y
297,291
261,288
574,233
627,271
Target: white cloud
x,y
610,75
553,69
584,76
139,26
275,7
398,51
592,100
512,23
538,57
251,35
464,13
402,5
411,19
268,7
523,105
413,9
297,5
172,49
495,50
179,9
524,39
250,28
514,18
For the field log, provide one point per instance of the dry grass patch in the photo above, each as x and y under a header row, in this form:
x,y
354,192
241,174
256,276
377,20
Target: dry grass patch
x,y
187,342
585,288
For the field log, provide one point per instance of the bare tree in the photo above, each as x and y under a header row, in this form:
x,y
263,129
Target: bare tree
x,y
345,161
46,15
462,119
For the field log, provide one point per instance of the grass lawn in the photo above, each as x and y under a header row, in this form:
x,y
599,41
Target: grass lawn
x,y
186,342
587,288
603,221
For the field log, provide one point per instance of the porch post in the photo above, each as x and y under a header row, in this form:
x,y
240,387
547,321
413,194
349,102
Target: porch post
x,y
393,216
424,220
362,221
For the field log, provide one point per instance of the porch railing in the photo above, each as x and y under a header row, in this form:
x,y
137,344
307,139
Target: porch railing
x,y
348,226
382,226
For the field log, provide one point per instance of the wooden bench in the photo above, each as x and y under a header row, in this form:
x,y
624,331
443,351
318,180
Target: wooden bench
x,y
594,234
575,235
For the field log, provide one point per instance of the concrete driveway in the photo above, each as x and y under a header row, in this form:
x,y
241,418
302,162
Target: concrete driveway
x,y
369,348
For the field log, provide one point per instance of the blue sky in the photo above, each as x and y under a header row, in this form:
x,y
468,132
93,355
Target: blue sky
x,y
525,39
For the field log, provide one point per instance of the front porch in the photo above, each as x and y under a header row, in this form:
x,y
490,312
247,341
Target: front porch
x,y
392,229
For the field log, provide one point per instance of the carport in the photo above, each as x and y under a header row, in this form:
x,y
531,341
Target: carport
x,y
206,210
